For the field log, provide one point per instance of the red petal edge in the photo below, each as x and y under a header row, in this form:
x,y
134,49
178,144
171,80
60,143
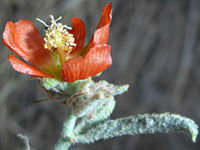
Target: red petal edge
x,y
79,32
101,34
24,39
95,61
20,66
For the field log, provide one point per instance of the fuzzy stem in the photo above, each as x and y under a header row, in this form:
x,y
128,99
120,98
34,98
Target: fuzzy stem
x,y
69,126
63,145
67,133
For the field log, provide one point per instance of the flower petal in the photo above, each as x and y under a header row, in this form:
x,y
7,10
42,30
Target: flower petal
x,y
24,39
78,31
22,67
94,62
101,35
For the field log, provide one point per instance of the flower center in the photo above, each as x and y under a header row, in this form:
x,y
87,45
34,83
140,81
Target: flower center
x,y
57,39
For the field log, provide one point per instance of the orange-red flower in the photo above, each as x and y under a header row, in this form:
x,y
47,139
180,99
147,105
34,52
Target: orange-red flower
x,y
61,54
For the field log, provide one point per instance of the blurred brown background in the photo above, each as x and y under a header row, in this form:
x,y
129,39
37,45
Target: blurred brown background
x,y
155,48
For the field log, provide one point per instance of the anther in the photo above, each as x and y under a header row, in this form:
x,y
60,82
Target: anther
x,y
58,39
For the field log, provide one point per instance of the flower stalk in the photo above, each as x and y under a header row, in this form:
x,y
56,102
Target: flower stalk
x,y
67,133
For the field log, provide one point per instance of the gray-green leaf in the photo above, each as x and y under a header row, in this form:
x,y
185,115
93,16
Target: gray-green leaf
x,y
136,125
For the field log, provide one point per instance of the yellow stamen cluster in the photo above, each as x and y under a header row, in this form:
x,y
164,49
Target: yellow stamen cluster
x,y
58,38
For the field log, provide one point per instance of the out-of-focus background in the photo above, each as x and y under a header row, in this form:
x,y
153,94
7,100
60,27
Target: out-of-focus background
x,y
155,49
